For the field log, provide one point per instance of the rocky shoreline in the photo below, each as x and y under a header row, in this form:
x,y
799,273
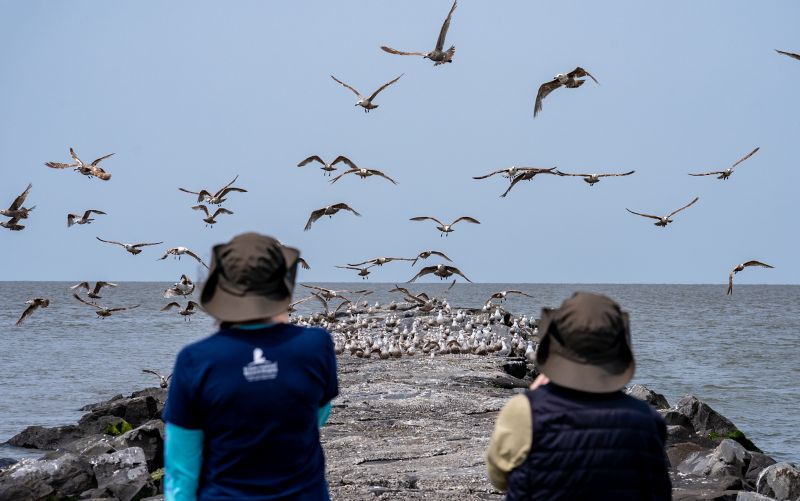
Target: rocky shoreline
x,y
408,428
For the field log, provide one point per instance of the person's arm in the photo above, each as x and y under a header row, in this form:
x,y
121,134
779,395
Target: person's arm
x,y
322,414
183,457
331,389
511,440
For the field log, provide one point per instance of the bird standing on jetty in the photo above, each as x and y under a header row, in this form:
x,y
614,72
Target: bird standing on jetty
x,y
180,251
93,293
569,80
664,220
328,211
739,267
593,178
218,197
16,210
162,381
526,174
790,54
210,219
91,170
446,229
33,305
182,287
438,55
725,174
366,102
440,270
184,312
132,248
101,311
85,219
326,168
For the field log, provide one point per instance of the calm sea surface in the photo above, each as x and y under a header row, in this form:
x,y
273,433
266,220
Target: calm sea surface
x,y
740,354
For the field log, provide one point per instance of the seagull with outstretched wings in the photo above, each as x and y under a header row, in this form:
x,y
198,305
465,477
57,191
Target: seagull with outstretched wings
x,y
663,221
739,267
438,55
446,229
328,211
569,80
594,178
725,174
366,102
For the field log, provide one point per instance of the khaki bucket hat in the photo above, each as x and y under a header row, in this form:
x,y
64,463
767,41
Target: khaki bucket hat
x,y
251,277
586,344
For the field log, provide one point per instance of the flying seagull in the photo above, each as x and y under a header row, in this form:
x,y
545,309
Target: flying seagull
x,y
327,168
664,220
362,173
91,170
182,287
725,174
790,54
303,263
16,210
429,253
440,270
93,293
162,381
593,178
380,261
366,103
12,225
509,173
438,55
328,211
132,248
180,251
101,311
185,312
210,219
526,174
739,268
85,219
446,229
362,271
218,197
33,305
329,294
569,80
501,295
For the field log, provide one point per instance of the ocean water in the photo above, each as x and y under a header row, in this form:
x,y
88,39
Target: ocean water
x,y
740,354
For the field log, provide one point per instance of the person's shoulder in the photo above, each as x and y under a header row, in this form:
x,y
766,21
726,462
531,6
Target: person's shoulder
x,y
643,407
311,333
200,347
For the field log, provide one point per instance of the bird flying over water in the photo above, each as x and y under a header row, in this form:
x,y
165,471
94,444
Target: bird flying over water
x,y
569,80
162,381
526,174
725,174
327,168
790,54
739,267
33,305
362,271
102,311
664,220
182,287
328,211
180,251
594,178
16,210
380,261
218,197
90,170
191,308
132,248
438,55
501,295
446,229
440,270
366,102
85,219
210,219
93,293
429,253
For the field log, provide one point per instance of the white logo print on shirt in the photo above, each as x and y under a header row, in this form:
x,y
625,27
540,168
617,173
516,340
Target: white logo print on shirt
x,y
260,369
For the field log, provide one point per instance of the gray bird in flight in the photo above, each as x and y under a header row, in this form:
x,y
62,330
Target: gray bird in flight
x,y
366,102
438,55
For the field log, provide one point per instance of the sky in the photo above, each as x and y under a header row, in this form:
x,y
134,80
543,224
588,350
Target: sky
x,y
191,94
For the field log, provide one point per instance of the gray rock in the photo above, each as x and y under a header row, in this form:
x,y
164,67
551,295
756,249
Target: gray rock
x,y
5,462
642,392
39,437
752,496
136,411
729,459
781,481
705,420
150,438
675,418
758,462
516,367
678,453
703,494
123,475
677,434
64,477
91,407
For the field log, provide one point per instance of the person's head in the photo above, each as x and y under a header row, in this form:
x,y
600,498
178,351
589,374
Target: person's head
x,y
251,278
586,344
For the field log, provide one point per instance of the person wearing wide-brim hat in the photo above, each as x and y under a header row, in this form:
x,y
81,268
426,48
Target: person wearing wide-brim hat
x,y
575,434
244,405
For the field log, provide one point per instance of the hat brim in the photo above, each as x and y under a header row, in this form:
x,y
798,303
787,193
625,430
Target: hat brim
x,y
584,377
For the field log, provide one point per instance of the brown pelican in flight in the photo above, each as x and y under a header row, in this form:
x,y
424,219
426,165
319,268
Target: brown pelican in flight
x,y
526,174
91,170
594,178
328,211
215,198
664,220
725,174
16,210
440,270
569,80
132,248
736,269
438,55
366,102
85,219
33,305
446,229
327,168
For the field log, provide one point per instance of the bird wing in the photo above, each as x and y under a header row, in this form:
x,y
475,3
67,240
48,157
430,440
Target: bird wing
x,y
517,178
192,305
59,165
790,54
424,271
423,218
360,264
303,263
17,203
85,302
91,211
643,215
616,175
227,185
400,52
192,254
350,171
467,219
101,284
580,72
98,160
756,263
25,314
187,191
440,254
112,310
222,210
685,206
151,371
445,27
390,82
376,172
745,158
347,161
490,174
313,218
344,206
75,157
453,269
545,89
321,300
716,172
145,244
312,158
352,89
173,304
558,172
225,191
82,285
518,292
202,208
110,242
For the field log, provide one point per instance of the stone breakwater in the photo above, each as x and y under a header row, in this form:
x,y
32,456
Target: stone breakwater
x,y
409,428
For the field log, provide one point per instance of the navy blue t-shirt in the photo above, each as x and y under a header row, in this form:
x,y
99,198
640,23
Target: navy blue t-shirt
x,y
255,395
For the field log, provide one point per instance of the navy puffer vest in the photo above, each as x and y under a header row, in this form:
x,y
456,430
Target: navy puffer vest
x,y
592,446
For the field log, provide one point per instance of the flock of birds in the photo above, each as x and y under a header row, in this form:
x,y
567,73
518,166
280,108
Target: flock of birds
x,y
210,205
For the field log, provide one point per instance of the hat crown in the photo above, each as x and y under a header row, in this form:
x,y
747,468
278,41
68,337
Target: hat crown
x,y
253,264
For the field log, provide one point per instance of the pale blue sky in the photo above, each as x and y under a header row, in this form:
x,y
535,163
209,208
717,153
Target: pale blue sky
x,y
192,93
